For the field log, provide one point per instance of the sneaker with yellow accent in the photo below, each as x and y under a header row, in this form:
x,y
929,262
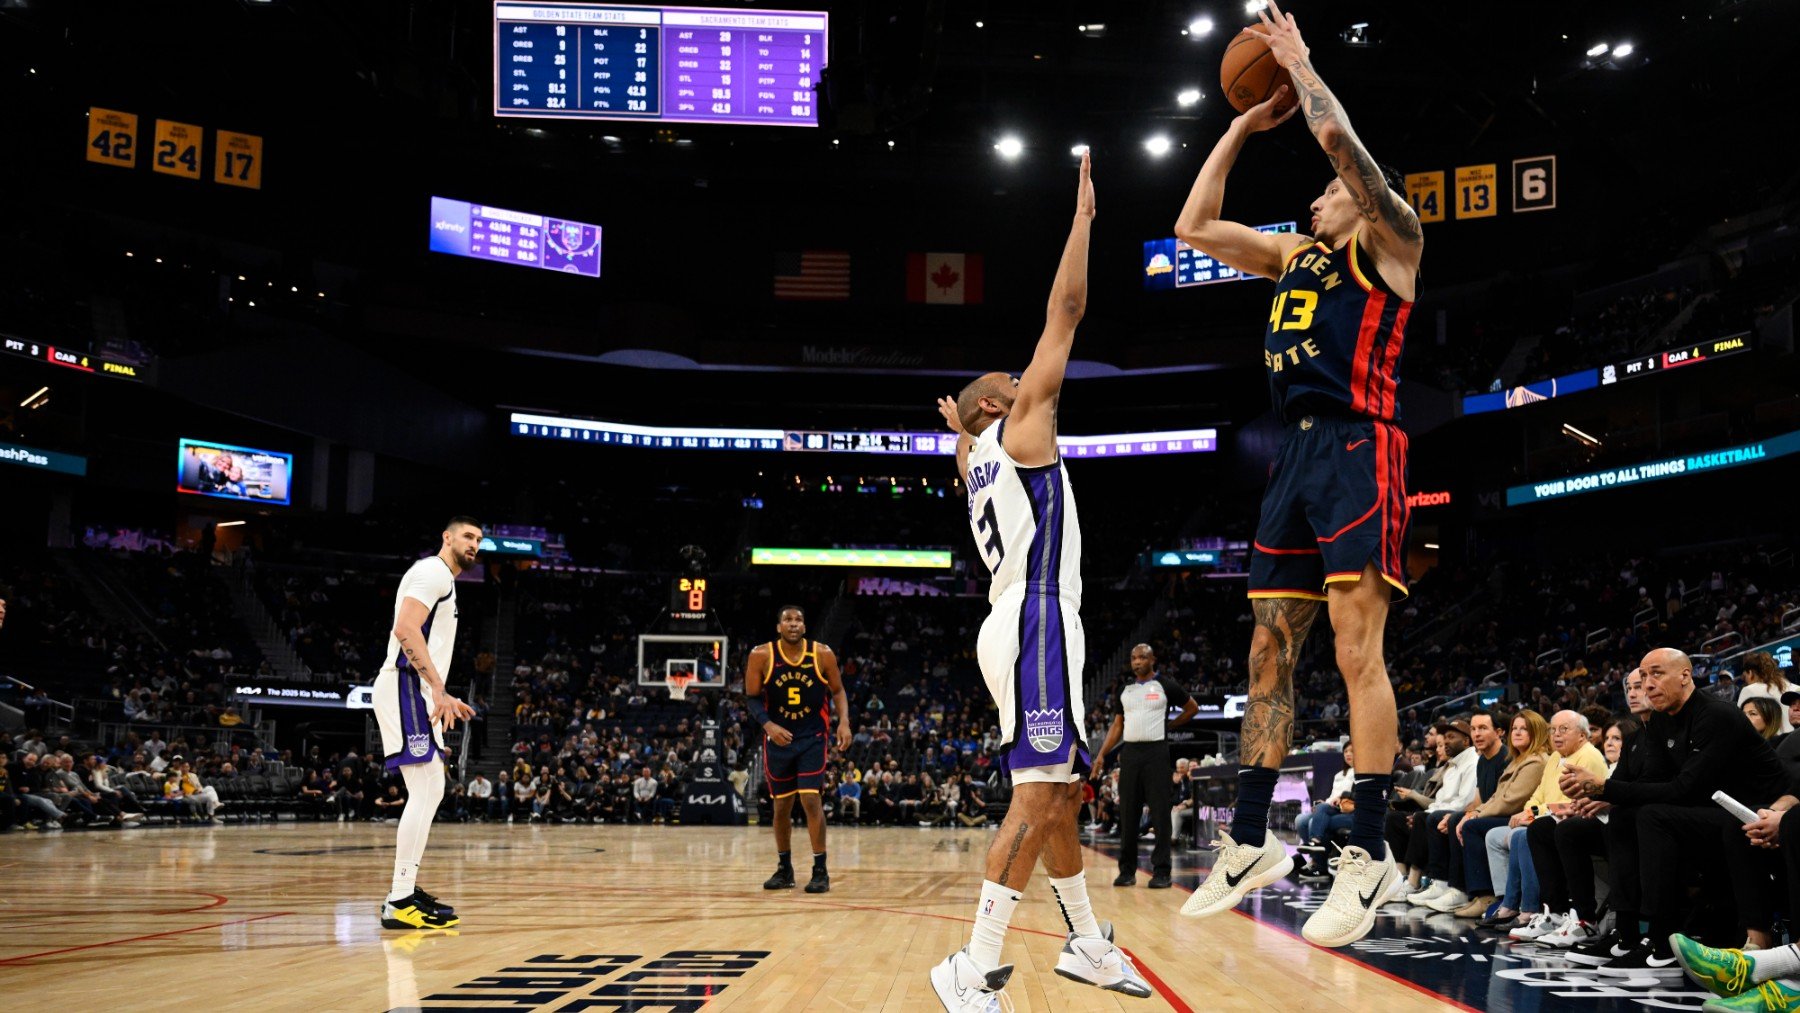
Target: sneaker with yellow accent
x,y
412,941
412,913
1768,997
1721,972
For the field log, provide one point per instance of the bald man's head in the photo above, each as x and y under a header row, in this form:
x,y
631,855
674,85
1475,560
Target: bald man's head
x,y
1668,679
987,399
1143,661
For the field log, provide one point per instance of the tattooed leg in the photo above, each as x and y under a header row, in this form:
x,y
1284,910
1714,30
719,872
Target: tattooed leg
x,y
1281,628
1036,810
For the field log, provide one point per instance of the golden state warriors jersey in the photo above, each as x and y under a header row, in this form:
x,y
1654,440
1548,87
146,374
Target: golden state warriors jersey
x,y
1334,336
795,691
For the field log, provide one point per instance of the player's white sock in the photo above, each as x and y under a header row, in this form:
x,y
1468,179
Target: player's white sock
x,y
1072,894
406,874
424,790
1774,963
992,915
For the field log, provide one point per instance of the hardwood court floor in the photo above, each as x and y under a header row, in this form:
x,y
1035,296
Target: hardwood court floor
x,y
283,917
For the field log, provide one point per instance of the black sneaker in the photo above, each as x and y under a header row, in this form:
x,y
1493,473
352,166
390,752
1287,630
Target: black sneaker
x,y
1159,882
1125,879
1645,956
782,880
819,883
428,902
1600,952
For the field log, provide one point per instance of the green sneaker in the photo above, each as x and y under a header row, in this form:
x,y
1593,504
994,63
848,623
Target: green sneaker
x,y
1768,997
1721,972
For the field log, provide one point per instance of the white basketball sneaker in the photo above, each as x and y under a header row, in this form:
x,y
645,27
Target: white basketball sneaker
x,y
1099,963
1541,924
1423,898
1573,932
962,986
1238,869
1349,912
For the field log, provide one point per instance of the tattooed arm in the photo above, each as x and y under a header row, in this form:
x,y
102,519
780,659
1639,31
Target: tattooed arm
x,y
1395,228
409,630
1281,628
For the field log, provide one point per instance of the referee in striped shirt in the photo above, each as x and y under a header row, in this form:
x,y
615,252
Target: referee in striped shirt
x,y
1144,768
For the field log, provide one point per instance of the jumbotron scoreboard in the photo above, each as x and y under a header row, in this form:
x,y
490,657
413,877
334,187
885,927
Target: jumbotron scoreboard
x,y
667,64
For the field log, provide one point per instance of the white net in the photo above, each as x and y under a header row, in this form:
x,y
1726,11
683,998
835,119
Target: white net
x,y
663,657
679,674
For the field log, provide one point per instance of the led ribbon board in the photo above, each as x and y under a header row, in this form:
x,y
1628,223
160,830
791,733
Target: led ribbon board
x,y
1651,471
42,460
1587,379
919,559
619,434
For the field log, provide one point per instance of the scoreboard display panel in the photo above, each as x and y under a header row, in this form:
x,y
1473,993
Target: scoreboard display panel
x,y
664,64
1170,263
462,229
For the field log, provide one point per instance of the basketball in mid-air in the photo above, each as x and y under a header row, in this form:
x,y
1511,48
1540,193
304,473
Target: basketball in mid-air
x,y
1250,74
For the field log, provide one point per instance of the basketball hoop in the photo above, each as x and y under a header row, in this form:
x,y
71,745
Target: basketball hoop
x,y
678,683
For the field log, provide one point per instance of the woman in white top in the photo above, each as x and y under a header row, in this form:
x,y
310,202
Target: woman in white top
x,y
1762,678
1334,811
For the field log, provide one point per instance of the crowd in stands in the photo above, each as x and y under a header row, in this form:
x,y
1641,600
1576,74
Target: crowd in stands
x,y
1591,833
336,621
167,667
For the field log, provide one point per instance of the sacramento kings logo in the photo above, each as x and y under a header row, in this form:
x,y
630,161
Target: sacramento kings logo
x,y
418,745
1044,729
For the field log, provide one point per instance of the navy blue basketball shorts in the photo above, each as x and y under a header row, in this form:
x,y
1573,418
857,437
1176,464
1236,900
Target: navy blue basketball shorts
x,y
1336,502
796,767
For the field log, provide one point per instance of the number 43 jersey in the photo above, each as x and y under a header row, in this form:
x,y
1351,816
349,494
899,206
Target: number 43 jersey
x,y
1334,337
1024,520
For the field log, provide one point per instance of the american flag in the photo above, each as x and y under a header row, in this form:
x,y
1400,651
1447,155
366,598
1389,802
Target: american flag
x,y
812,274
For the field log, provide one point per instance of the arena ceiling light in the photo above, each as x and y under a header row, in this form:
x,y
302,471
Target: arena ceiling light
x,y
1598,49
1010,148
1623,49
229,524
1078,150
1252,6
1158,146
1199,28
1188,96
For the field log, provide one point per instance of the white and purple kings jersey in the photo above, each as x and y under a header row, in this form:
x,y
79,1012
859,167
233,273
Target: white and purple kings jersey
x,y
429,582
1024,521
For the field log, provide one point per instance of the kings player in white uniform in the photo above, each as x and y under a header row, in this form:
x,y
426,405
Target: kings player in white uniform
x,y
1022,513
414,707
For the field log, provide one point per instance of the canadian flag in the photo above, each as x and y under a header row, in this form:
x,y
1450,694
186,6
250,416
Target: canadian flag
x,y
943,278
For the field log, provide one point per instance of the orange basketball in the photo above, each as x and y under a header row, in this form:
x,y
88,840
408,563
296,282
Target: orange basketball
x,y
1250,74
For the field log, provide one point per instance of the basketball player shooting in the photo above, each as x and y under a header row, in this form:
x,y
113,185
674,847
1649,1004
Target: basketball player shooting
x,y
1334,518
1031,647
785,684
414,708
